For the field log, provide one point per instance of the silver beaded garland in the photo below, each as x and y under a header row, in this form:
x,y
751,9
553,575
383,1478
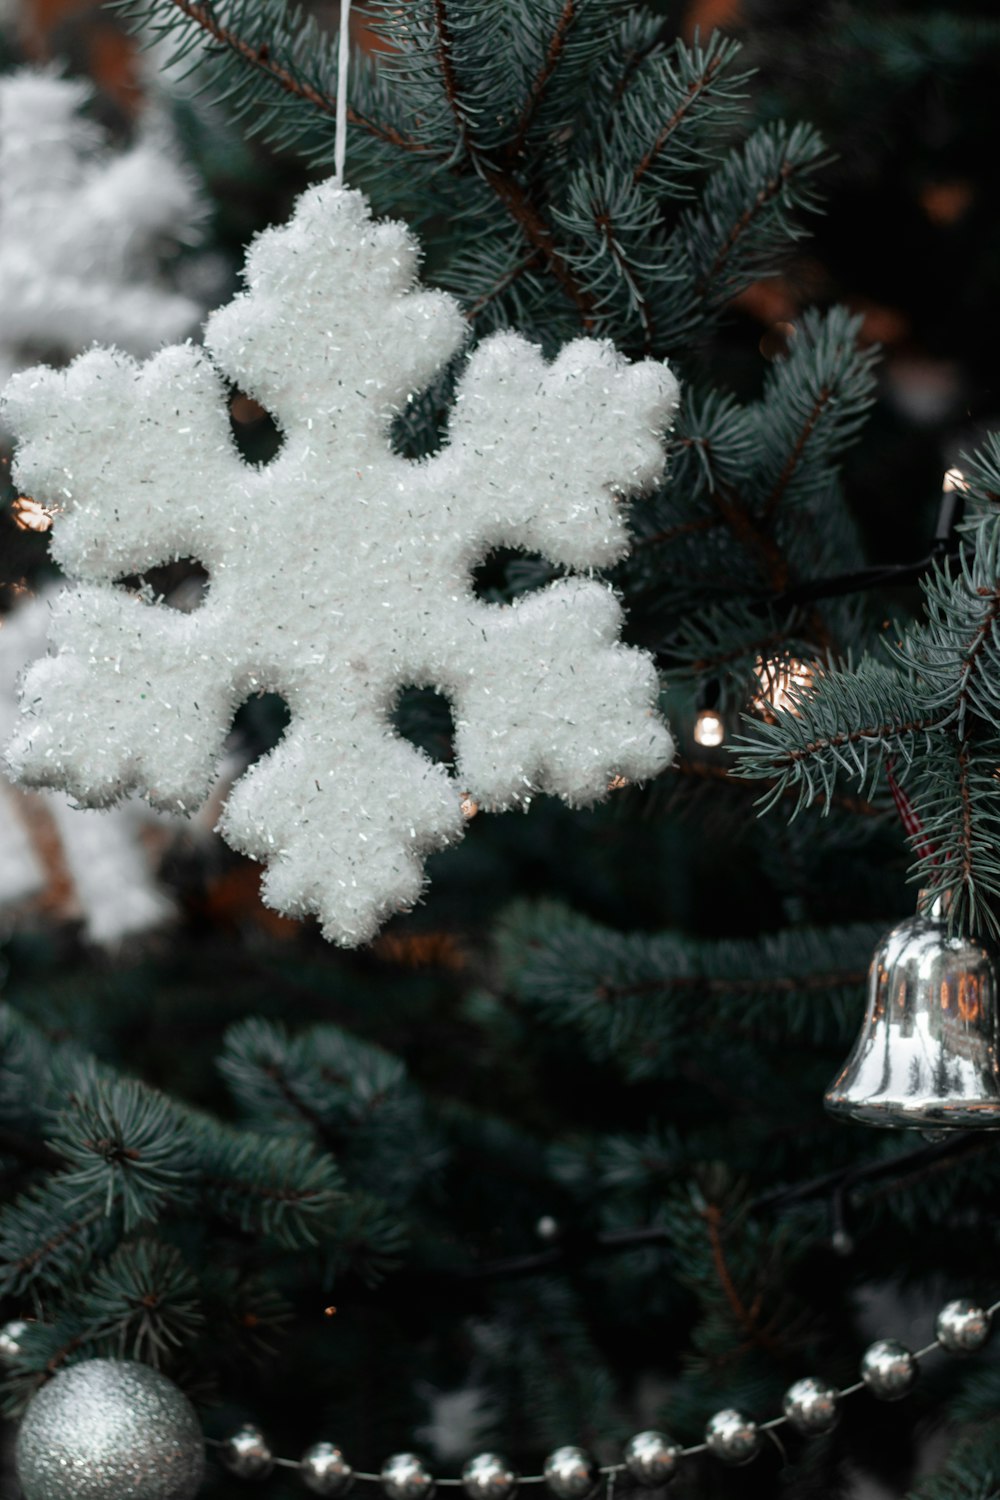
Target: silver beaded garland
x,y
889,1370
489,1477
247,1453
962,1326
732,1437
571,1473
811,1406
404,1476
107,1428
11,1335
325,1470
651,1458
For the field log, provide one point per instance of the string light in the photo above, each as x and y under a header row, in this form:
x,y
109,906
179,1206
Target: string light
x,y
31,515
781,679
954,479
709,728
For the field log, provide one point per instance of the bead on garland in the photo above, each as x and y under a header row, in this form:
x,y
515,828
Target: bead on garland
x,y
405,1477
889,1370
246,1453
811,1406
489,1477
325,1470
732,1437
571,1473
651,1458
962,1327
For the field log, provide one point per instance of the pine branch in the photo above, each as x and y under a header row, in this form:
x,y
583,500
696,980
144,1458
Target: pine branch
x,y
845,724
714,62
537,232
820,404
260,59
553,54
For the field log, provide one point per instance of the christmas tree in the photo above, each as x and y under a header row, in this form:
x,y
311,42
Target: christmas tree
x,y
541,1163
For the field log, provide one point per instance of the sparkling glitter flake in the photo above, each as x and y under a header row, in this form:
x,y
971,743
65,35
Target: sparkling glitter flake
x,y
110,1430
340,573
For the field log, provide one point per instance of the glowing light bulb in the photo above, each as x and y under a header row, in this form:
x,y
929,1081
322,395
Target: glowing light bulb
x,y
709,728
954,479
31,515
781,679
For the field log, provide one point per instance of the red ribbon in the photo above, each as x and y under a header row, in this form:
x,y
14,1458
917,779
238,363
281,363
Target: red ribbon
x,y
908,816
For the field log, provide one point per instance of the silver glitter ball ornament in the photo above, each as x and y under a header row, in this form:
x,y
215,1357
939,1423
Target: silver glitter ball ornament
x,y
811,1406
732,1437
406,1477
489,1477
651,1458
11,1335
247,1453
325,1470
571,1473
962,1326
106,1429
889,1370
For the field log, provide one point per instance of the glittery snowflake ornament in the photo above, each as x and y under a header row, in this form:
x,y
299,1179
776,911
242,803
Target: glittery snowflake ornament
x,y
340,572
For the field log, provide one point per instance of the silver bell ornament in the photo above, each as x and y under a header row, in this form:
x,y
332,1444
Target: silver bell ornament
x,y
733,1438
404,1476
489,1477
927,1055
324,1470
651,1458
889,1370
106,1428
811,1406
571,1473
247,1453
962,1326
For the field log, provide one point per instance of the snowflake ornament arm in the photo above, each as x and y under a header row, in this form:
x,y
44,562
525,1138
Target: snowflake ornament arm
x,y
340,572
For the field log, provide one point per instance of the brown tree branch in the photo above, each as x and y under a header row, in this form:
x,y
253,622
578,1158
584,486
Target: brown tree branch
x,y
260,59
694,90
747,1318
628,275
792,462
505,185
538,87
786,984
502,285
709,771
768,192
852,736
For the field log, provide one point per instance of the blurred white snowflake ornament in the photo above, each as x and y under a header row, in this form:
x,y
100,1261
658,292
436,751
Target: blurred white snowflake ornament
x,y
340,572
82,227
114,890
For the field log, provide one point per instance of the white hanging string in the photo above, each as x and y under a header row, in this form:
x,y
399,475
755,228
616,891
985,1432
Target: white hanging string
x,y
343,58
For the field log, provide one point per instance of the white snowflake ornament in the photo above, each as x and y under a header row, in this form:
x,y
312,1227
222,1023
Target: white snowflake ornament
x,y
82,226
340,572
115,890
